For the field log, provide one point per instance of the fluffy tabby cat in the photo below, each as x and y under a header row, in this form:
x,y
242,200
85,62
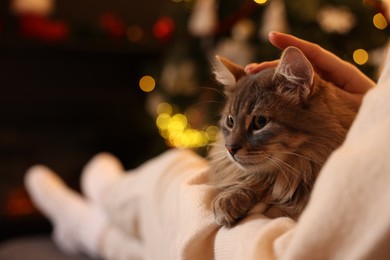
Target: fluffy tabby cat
x,y
278,128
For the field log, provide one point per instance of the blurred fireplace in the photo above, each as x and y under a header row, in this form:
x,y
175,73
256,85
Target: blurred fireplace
x,y
59,106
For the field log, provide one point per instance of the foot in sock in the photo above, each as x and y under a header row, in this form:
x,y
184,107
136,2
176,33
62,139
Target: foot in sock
x,y
78,224
98,175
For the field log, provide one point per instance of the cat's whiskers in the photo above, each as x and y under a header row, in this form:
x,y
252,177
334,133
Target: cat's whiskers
x,y
221,103
218,153
272,160
300,175
218,91
217,144
292,169
218,149
274,163
207,102
220,159
301,156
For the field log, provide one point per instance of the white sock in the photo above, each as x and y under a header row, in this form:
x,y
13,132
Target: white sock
x,y
78,224
98,175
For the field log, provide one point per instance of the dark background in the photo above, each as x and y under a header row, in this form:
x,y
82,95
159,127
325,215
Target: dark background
x,y
63,101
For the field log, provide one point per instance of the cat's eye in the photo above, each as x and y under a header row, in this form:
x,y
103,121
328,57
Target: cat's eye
x,y
259,122
229,121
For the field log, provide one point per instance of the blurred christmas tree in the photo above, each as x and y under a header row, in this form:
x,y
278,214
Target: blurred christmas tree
x,y
193,31
181,92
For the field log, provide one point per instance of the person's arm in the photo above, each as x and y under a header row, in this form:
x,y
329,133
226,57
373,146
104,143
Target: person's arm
x,y
348,216
341,73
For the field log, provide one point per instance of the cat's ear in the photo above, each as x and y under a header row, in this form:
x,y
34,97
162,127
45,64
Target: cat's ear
x,y
298,75
227,72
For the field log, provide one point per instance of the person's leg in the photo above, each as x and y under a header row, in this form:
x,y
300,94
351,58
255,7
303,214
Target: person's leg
x,y
163,206
116,244
155,211
77,224
100,173
102,180
81,224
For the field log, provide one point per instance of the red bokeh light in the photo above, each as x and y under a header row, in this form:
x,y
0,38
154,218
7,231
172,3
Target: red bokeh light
x,y
164,28
18,203
39,27
112,24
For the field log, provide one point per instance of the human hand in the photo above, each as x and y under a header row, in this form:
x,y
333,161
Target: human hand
x,y
353,83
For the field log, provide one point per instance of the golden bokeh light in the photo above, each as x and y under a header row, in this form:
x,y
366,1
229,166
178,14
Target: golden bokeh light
x,y
360,56
379,21
177,124
260,2
163,121
164,108
212,133
178,133
147,83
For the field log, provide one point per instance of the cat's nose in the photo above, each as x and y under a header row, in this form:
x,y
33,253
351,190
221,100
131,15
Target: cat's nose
x,y
232,148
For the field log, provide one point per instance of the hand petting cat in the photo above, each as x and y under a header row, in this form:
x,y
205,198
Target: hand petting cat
x,y
341,73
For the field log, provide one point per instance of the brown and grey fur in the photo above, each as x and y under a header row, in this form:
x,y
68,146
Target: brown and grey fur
x,y
276,160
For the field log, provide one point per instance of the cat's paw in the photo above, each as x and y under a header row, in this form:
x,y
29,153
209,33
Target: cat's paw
x,y
230,206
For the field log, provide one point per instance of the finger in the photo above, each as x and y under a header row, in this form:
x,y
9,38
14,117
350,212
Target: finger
x,y
322,58
257,67
354,100
334,69
351,79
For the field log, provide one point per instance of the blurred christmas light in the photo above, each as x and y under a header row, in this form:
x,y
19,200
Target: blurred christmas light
x,y
112,24
178,133
162,123
42,28
190,138
260,2
164,28
164,108
203,19
334,19
273,19
134,33
147,83
177,124
212,133
17,204
360,56
37,7
379,21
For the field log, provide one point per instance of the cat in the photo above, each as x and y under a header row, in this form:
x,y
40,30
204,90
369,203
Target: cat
x,y
277,129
